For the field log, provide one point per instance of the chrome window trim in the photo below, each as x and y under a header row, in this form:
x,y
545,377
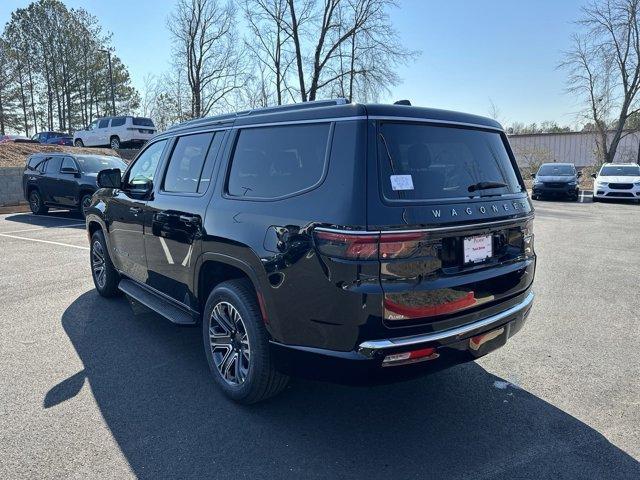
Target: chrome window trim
x,y
432,229
370,347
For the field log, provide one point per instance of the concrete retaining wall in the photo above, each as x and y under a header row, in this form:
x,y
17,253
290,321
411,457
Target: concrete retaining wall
x,y
11,185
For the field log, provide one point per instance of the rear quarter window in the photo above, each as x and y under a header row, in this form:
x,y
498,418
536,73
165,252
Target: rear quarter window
x,y
275,162
422,162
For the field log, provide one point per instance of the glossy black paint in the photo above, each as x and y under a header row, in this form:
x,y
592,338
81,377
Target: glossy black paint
x,y
566,186
181,245
59,187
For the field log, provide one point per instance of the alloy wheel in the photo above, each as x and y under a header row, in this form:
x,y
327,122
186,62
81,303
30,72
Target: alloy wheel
x,y
98,264
229,343
34,200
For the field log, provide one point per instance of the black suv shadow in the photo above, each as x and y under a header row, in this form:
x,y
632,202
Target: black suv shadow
x,y
51,219
152,384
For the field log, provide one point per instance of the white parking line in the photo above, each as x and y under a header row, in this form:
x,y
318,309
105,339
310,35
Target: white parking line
x,y
43,241
43,228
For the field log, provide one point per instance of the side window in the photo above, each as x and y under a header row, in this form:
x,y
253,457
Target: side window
x,y
207,171
68,162
144,168
33,162
185,166
41,166
104,123
272,162
53,165
117,122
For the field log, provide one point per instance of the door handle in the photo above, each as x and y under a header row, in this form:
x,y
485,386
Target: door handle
x,y
189,219
135,210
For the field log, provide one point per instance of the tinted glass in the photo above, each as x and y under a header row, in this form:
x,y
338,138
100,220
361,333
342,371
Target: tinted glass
x,y
144,168
207,172
424,162
272,162
621,171
53,165
93,164
103,123
33,162
68,163
551,170
185,165
117,122
142,122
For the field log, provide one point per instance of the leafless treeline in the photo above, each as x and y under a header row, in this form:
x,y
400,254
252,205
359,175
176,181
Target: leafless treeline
x,y
53,74
289,51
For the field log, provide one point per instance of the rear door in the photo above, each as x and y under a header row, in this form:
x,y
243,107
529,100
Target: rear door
x,y
68,188
174,217
455,221
50,181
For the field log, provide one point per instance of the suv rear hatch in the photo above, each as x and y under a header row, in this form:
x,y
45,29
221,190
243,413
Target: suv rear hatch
x,y
450,221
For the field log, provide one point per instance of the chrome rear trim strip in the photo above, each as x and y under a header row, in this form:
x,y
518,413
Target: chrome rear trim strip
x,y
370,347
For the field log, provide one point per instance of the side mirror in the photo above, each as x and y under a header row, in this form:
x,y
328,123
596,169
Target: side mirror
x,y
111,178
594,175
69,170
140,191
533,175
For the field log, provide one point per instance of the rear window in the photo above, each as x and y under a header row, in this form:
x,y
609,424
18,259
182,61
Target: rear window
x,y
142,122
273,162
425,162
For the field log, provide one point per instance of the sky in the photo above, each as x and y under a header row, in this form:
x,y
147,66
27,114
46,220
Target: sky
x,y
473,52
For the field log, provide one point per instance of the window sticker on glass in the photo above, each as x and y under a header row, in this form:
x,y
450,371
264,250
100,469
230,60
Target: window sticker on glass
x,y
401,182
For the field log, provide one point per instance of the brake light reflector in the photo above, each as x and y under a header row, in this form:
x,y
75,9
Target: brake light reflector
x,y
410,357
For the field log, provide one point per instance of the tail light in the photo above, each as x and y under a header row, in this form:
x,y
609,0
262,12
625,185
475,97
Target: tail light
x,y
368,246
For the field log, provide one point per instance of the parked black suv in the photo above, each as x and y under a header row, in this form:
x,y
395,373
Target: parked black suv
x,y
62,180
353,243
556,180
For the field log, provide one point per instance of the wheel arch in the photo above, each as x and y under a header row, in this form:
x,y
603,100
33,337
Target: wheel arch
x,y
215,268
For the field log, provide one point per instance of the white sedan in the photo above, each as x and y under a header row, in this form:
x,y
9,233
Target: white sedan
x,y
617,180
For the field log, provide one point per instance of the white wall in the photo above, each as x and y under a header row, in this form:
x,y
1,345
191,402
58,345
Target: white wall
x,y
575,147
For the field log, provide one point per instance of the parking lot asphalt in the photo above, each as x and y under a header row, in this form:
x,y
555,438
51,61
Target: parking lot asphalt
x,y
91,388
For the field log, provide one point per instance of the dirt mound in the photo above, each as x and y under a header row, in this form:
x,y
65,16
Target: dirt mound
x,y
15,154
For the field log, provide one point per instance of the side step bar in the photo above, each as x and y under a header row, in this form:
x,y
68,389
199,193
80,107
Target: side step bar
x,y
156,303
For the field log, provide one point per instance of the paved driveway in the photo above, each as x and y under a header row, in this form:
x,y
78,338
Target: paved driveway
x,y
91,388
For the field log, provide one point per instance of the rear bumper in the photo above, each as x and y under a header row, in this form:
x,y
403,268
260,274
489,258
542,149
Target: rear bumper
x,y
364,365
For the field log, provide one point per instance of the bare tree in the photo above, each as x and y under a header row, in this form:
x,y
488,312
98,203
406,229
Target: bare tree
x,y
604,68
207,50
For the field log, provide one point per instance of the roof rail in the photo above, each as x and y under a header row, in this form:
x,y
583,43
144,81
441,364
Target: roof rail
x,y
260,111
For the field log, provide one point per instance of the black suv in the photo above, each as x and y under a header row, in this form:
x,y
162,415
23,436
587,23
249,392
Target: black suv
x,y
63,180
556,180
345,242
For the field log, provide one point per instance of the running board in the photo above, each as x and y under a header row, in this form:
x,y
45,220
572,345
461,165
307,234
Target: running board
x,y
156,303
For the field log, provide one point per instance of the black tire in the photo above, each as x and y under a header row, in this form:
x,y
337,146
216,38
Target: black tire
x,y
239,344
114,143
105,280
85,201
36,204
595,199
78,143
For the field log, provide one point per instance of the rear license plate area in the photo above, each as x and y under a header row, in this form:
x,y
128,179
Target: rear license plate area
x,y
477,249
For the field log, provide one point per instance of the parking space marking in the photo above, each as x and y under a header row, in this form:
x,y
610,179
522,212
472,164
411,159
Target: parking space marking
x,y
42,228
43,241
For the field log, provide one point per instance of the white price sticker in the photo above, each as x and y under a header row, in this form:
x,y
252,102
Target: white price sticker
x,y
401,182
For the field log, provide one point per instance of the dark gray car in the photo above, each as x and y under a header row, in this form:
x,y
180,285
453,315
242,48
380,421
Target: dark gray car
x,y
63,180
556,180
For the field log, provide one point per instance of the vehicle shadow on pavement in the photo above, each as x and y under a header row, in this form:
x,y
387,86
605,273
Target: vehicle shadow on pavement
x,y
52,219
152,385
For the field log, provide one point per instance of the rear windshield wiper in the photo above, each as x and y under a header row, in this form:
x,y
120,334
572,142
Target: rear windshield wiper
x,y
486,186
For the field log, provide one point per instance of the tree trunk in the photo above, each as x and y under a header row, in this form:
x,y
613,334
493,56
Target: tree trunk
x,y
296,42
